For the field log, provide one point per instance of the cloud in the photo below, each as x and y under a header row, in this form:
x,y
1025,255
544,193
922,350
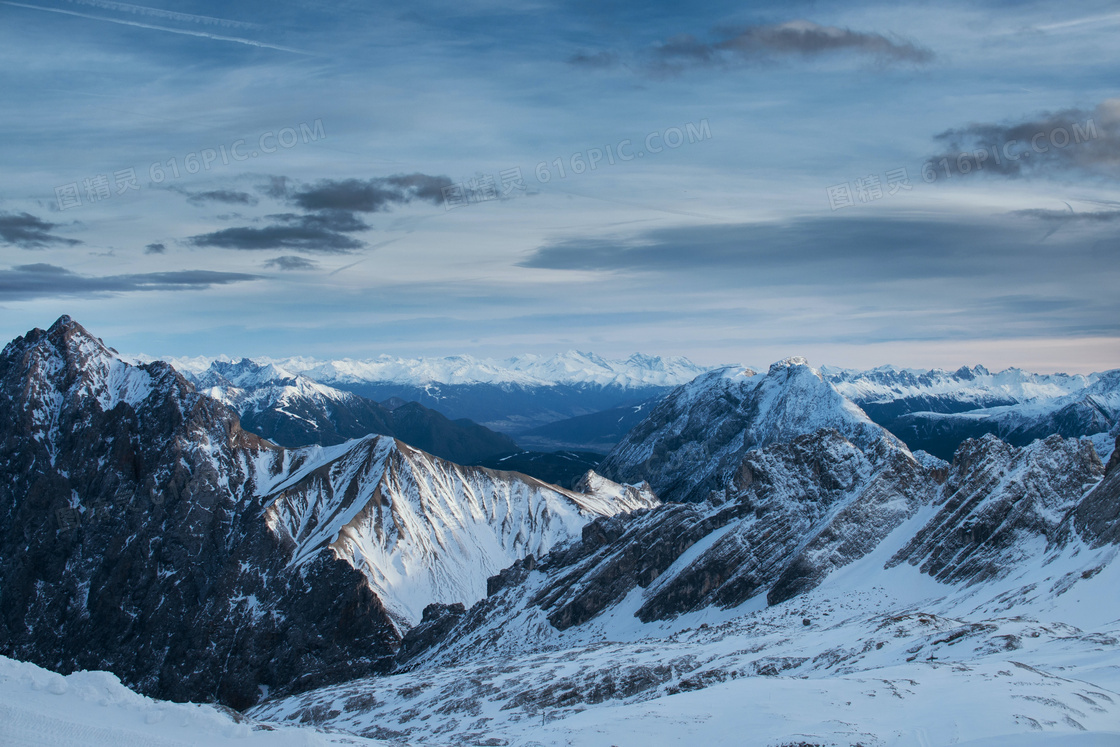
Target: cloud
x,y
1049,143
370,195
324,231
341,221
155,249
330,206
226,196
291,263
1069,216
747,44
837,252
807,38
278,187
301,238
43,280
603,59
29,232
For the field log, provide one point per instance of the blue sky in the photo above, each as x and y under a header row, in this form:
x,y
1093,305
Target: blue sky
x,y
770,179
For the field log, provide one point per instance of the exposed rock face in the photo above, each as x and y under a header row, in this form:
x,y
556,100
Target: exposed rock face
x,y
1097,517
795,512
131,538
292,410
693,442
1000,505
786,513
798,510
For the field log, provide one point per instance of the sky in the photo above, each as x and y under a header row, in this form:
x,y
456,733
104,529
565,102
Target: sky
x,y
917,184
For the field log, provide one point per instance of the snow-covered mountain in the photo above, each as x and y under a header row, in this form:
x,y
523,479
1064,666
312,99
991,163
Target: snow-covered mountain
x,y
147,534
424,530
570,368
292,410
937,410
693,441
937,390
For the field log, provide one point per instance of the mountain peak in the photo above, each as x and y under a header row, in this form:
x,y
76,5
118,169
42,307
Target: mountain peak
x,y
63,322
792,361
692,442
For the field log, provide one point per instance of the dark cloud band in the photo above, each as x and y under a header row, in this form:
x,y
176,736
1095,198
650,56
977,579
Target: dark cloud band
x,y
43,281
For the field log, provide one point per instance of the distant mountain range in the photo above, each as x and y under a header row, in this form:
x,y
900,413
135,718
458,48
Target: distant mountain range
x,y
582,402
292,410
571,368
511,396
937,410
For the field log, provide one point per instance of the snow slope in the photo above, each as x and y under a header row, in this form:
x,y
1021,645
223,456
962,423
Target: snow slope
x,y
39,708
872,657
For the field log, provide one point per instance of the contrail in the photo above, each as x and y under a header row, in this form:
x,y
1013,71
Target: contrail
x,y
160,13
201,34
378,245
1111,17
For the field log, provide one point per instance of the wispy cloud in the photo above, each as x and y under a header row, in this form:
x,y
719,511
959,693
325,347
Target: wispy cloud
x,y
29,232
168,15
830,251
224,196
291,263
736,46
797,38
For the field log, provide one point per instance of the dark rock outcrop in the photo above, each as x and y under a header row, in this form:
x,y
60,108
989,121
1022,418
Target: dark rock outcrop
x,y
998,498
131,537
1097,517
